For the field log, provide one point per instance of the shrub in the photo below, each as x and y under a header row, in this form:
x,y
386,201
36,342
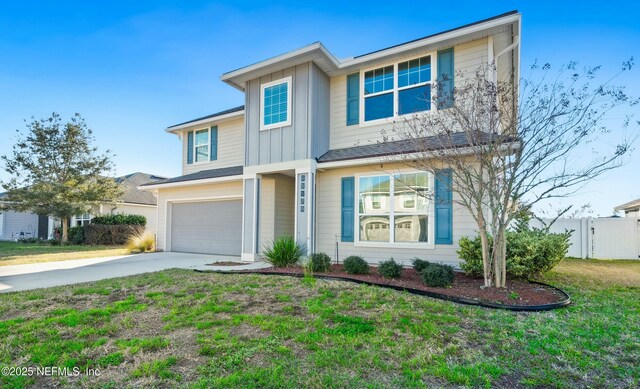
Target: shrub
x,y
390,269
529,253
356,265
319,262
120,218
420,264
29,240
76,235
142,243
535,252
283,252
116,235
437,275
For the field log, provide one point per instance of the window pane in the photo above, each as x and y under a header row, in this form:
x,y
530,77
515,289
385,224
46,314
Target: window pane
x,y
414,100
374,228
378,107
202,137
414,72
202,153
275,104
374,195
411,228
403,74
378,80
411,193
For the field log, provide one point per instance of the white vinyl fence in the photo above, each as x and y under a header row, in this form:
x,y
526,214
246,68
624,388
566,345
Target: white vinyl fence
x,y
600,238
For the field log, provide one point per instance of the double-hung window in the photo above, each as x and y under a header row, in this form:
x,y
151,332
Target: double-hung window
x,y
275,103
201,145
378,93
414,86
394,208
82,220
399,89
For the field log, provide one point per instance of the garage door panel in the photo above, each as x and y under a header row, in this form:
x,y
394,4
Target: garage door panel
x,y
209,227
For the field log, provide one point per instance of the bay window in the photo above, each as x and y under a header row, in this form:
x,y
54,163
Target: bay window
x,y
399,89
394,208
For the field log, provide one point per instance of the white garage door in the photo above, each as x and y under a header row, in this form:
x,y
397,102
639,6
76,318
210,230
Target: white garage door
x,y
209,227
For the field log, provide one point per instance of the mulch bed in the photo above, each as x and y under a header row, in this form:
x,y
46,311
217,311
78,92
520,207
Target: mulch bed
x,y
517,292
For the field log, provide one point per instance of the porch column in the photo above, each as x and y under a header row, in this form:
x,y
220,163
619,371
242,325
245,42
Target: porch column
x,y
305,209
250,213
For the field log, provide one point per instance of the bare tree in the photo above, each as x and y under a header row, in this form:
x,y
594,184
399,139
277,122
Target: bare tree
x,y
508,150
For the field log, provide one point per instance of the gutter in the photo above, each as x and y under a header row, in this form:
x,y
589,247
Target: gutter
x,y
188,183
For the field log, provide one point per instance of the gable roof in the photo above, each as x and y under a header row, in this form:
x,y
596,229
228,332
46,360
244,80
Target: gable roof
x,y
130,184
327,62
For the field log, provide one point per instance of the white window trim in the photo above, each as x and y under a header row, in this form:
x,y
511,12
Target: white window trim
x,y
83,221
430,244
396,90
288,81
208,144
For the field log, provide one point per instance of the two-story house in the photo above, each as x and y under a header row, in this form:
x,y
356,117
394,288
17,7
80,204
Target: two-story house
x,y
304,156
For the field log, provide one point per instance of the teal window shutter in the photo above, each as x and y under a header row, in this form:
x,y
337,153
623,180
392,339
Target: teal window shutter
x,y
353,99
213,152
347,215
190,147
443,207
445,78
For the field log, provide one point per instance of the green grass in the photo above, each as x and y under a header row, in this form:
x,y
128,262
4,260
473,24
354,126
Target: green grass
x,y
182,328
18,253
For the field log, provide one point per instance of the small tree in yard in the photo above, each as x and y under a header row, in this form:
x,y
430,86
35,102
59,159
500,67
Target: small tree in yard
x,y
56,171
508,151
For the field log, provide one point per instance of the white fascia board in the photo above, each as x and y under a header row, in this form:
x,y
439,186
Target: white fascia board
x,y
338,65
429,41
215,119
394,158
301,52
295,165
204,181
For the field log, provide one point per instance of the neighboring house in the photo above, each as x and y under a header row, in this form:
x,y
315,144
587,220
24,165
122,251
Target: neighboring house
x,y
303,156
18,225
630,209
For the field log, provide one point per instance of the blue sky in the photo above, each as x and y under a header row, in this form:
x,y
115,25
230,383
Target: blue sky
x,y
133,68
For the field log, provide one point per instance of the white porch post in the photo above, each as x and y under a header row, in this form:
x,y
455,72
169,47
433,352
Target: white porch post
x,y
305,208
250,217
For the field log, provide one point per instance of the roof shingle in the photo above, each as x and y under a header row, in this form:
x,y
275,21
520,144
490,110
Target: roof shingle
x,y
202,175
213,115
407,146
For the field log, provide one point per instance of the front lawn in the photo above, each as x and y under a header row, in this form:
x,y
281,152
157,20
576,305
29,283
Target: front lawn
x,y
19,253
180,327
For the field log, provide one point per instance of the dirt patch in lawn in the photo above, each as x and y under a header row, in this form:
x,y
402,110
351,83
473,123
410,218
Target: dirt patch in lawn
x,y
517,292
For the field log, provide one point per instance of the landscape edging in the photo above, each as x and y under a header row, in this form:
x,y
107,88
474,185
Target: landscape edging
x,y
460,300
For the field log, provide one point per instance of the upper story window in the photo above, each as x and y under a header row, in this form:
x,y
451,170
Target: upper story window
x,y
201,145
399,89
275,104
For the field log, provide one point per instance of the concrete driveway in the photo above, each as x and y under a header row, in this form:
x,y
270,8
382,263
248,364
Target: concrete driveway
x,y
44,275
